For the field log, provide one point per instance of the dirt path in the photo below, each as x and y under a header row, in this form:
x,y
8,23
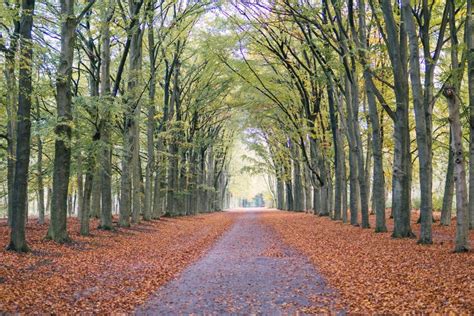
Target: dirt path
x,y
248,271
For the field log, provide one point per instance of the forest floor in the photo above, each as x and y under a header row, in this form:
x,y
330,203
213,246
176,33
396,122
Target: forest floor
x,y
253,261
108,271
375,273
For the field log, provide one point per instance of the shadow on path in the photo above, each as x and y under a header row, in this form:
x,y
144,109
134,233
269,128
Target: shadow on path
x,y
248,271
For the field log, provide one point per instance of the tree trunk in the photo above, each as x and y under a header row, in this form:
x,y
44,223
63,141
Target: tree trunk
x,y
338,164
401,179
130,152
23,133
95,209
448,188
470,60
105,164
80,187
359,152
308,189
462,208
39,170
133,86
150,166
86,201
297,179
353,166
12,108
424,155
62,157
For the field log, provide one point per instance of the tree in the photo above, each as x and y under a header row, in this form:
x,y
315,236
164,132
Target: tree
x,y
62,158
23,132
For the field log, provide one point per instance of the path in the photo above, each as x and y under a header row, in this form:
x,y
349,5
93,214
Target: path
x,y
248,271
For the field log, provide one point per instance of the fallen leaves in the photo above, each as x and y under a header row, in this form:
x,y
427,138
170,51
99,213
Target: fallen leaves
x,y
377,274
108,271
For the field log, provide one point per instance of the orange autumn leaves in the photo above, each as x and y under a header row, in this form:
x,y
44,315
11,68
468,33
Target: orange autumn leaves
x,y
375,273
107,271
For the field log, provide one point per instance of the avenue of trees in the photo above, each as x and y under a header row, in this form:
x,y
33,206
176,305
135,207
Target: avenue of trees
x,y
110,107
131,108
361,104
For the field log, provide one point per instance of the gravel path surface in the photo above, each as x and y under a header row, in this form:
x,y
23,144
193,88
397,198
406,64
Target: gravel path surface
x,y
248,271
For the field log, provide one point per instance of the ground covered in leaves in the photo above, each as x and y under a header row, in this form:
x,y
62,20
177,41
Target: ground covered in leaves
x,y
375,273
109,270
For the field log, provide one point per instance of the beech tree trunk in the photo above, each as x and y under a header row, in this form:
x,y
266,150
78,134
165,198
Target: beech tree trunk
x,y
424,154
401,179
19,201
150,166
12,108
62,157
462,207
297,179
105,163
448,188
470,70
130,200
39,171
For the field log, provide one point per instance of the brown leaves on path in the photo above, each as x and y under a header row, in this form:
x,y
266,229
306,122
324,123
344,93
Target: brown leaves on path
x,y
377,274
109,271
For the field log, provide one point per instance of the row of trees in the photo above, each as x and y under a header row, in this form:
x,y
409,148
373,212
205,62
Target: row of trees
x,y
111,106
357,92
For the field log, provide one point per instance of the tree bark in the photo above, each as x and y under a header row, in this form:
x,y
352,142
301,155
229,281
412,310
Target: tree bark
x,y
62,157
150,166
130,200
23,132
462,208
298,193
401,179
470,60
448,188
105,164
424,155
39,171
12,108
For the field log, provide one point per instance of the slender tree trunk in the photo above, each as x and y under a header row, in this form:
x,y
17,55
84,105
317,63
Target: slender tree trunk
x,y
39,171
23,132
280,188
12,108
353,167
297,179
150,166
470,60
308,189
86,201
134,82
359,152
448,188
105,164
462,208
338,164
401,179
95,207
80,187
378,191
424,155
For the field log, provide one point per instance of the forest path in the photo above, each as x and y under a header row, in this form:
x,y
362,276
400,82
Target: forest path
x,y
248,271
